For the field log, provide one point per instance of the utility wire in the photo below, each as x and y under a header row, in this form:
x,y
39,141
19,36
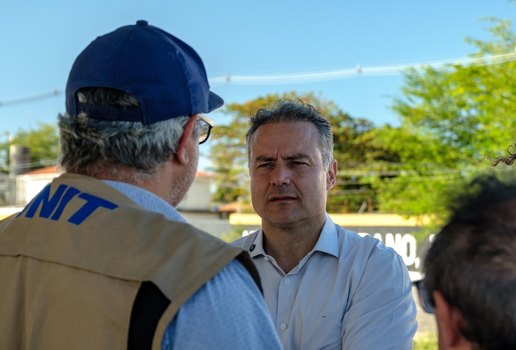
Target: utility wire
x,y
357,71
308,77
31,98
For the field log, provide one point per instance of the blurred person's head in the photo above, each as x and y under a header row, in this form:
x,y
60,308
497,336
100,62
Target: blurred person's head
x,y
470,269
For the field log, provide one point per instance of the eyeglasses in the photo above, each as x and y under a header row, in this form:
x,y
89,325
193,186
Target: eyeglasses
x,y
425,299
204,125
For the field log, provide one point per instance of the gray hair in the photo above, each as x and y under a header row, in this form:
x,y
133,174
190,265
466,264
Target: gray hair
x,y
93,147
291,111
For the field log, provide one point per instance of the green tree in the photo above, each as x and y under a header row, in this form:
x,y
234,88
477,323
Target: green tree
x,y
454,121
43,143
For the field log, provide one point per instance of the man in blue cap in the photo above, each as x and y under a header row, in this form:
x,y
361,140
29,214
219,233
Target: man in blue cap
x,y
100,258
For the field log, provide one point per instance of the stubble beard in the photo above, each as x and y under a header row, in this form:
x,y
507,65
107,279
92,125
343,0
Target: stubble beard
x,y
183,184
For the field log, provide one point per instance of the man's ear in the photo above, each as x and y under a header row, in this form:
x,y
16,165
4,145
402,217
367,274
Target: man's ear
x,y
331,175
449,320
182,154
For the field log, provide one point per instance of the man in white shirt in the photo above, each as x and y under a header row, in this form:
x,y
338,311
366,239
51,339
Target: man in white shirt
x,y
326,287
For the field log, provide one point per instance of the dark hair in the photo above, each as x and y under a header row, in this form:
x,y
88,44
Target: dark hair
x,y
472,262
508,160
290,111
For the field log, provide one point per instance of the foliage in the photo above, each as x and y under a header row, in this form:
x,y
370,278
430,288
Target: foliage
x,y
43,143
454,121
426,342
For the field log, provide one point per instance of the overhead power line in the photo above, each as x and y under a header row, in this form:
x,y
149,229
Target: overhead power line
x,y
310,77
31,98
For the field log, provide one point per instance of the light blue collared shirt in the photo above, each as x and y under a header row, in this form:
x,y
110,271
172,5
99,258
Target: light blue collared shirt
x,y
228,312
349,292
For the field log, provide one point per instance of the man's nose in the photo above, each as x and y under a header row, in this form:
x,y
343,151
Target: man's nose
x,y
280,176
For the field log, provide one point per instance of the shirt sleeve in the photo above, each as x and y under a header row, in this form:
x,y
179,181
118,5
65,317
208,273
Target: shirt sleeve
x,y
382,313
228,312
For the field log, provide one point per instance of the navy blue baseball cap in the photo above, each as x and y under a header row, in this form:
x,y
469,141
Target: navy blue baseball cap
x,y
165,74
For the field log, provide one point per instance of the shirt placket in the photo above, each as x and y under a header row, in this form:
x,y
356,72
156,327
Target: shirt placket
x,y
286,297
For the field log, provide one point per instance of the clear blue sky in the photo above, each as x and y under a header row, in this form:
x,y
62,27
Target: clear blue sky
x,y
40,39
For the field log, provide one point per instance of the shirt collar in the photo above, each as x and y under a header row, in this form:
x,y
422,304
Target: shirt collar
x,y
258,245
328,241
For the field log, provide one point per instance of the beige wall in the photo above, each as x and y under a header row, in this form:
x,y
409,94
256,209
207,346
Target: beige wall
x,y
198,197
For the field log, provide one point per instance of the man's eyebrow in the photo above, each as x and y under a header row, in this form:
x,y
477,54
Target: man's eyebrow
x,y
264,158
296,156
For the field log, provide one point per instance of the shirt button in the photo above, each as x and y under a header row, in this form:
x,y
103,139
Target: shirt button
x,y
283,326
266,258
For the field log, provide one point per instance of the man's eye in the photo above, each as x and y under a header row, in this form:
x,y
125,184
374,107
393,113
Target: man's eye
x,y
299,163
264,165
